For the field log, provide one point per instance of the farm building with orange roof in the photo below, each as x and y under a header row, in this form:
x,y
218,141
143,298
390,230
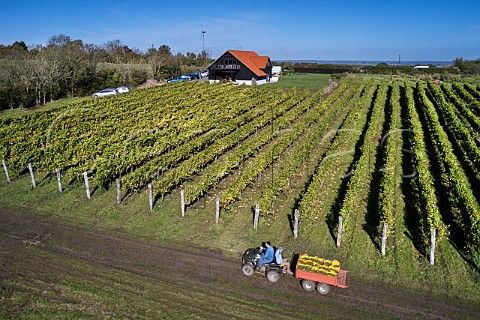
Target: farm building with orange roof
x,y
241,67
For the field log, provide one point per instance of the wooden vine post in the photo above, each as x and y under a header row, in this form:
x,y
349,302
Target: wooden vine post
x,y
119,191
182,201
6,170
339,233
87,185
32,174
433,234
59,179
217,208
384,238
295,223
150,196
257,216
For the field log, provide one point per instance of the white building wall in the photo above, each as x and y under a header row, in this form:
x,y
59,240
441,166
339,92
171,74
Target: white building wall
x,y
249,82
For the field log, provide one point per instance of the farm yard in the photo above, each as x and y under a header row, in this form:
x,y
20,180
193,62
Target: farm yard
x,y
375,168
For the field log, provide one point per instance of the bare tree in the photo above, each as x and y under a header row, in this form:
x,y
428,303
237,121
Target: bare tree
x,y
48,75
157,58
38,74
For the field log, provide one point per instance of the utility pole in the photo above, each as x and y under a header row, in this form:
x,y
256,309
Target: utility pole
x,y
202,37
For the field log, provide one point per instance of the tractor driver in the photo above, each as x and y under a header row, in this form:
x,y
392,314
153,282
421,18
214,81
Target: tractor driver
x,y
267,256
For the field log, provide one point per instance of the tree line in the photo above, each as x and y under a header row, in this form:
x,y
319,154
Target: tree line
x,y
65,67
470,67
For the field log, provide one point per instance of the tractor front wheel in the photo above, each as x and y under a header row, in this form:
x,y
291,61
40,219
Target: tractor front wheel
x,y
273,276
248,269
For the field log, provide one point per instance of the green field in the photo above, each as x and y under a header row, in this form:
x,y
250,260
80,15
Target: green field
x,y
302,81
285,149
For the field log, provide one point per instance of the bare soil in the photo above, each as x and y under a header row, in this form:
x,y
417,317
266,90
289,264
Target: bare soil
x,y
52,269
151,83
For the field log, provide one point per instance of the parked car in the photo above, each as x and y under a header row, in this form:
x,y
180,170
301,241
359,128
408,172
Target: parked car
x,y
204,73
187,77
181,78
123,89
194,76
105,92
177,79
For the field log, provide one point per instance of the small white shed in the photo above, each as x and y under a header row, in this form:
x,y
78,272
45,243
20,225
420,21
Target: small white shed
x,y
276,70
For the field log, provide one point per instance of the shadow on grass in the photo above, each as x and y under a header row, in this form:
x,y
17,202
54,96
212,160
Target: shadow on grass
x,y
409,187
332,217
372,216
449,207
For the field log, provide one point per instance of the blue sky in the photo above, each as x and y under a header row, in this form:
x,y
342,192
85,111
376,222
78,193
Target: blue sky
x,y
322,30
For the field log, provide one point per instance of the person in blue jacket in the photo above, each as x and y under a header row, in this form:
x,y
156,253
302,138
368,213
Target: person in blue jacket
x,y
267,255
278,255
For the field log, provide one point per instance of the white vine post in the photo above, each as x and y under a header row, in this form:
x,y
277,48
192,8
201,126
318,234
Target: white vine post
x,y
295,224
6,170
87,185
257,216
119,191
182,201
34,183
432,246
150,196
384,238
59,179
217,208
340,227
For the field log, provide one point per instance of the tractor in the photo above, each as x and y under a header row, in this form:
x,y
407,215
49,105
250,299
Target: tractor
x,y
271,270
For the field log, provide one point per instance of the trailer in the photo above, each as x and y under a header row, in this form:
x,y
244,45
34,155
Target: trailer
x,y
322,282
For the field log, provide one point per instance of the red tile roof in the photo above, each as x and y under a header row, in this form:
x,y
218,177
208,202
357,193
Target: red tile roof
x,y
251,60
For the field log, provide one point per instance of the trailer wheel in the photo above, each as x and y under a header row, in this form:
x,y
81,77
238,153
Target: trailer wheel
x,y
273,276
247,269
308,285
323,288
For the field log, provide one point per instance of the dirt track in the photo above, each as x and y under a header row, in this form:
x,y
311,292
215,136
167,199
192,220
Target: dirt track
x,y
173,282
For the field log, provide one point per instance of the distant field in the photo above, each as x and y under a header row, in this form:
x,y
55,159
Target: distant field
x,y
303,81
13,113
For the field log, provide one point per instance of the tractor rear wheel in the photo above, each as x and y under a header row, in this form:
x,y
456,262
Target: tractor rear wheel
x,y
308,285
248,269
273,276
323,288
